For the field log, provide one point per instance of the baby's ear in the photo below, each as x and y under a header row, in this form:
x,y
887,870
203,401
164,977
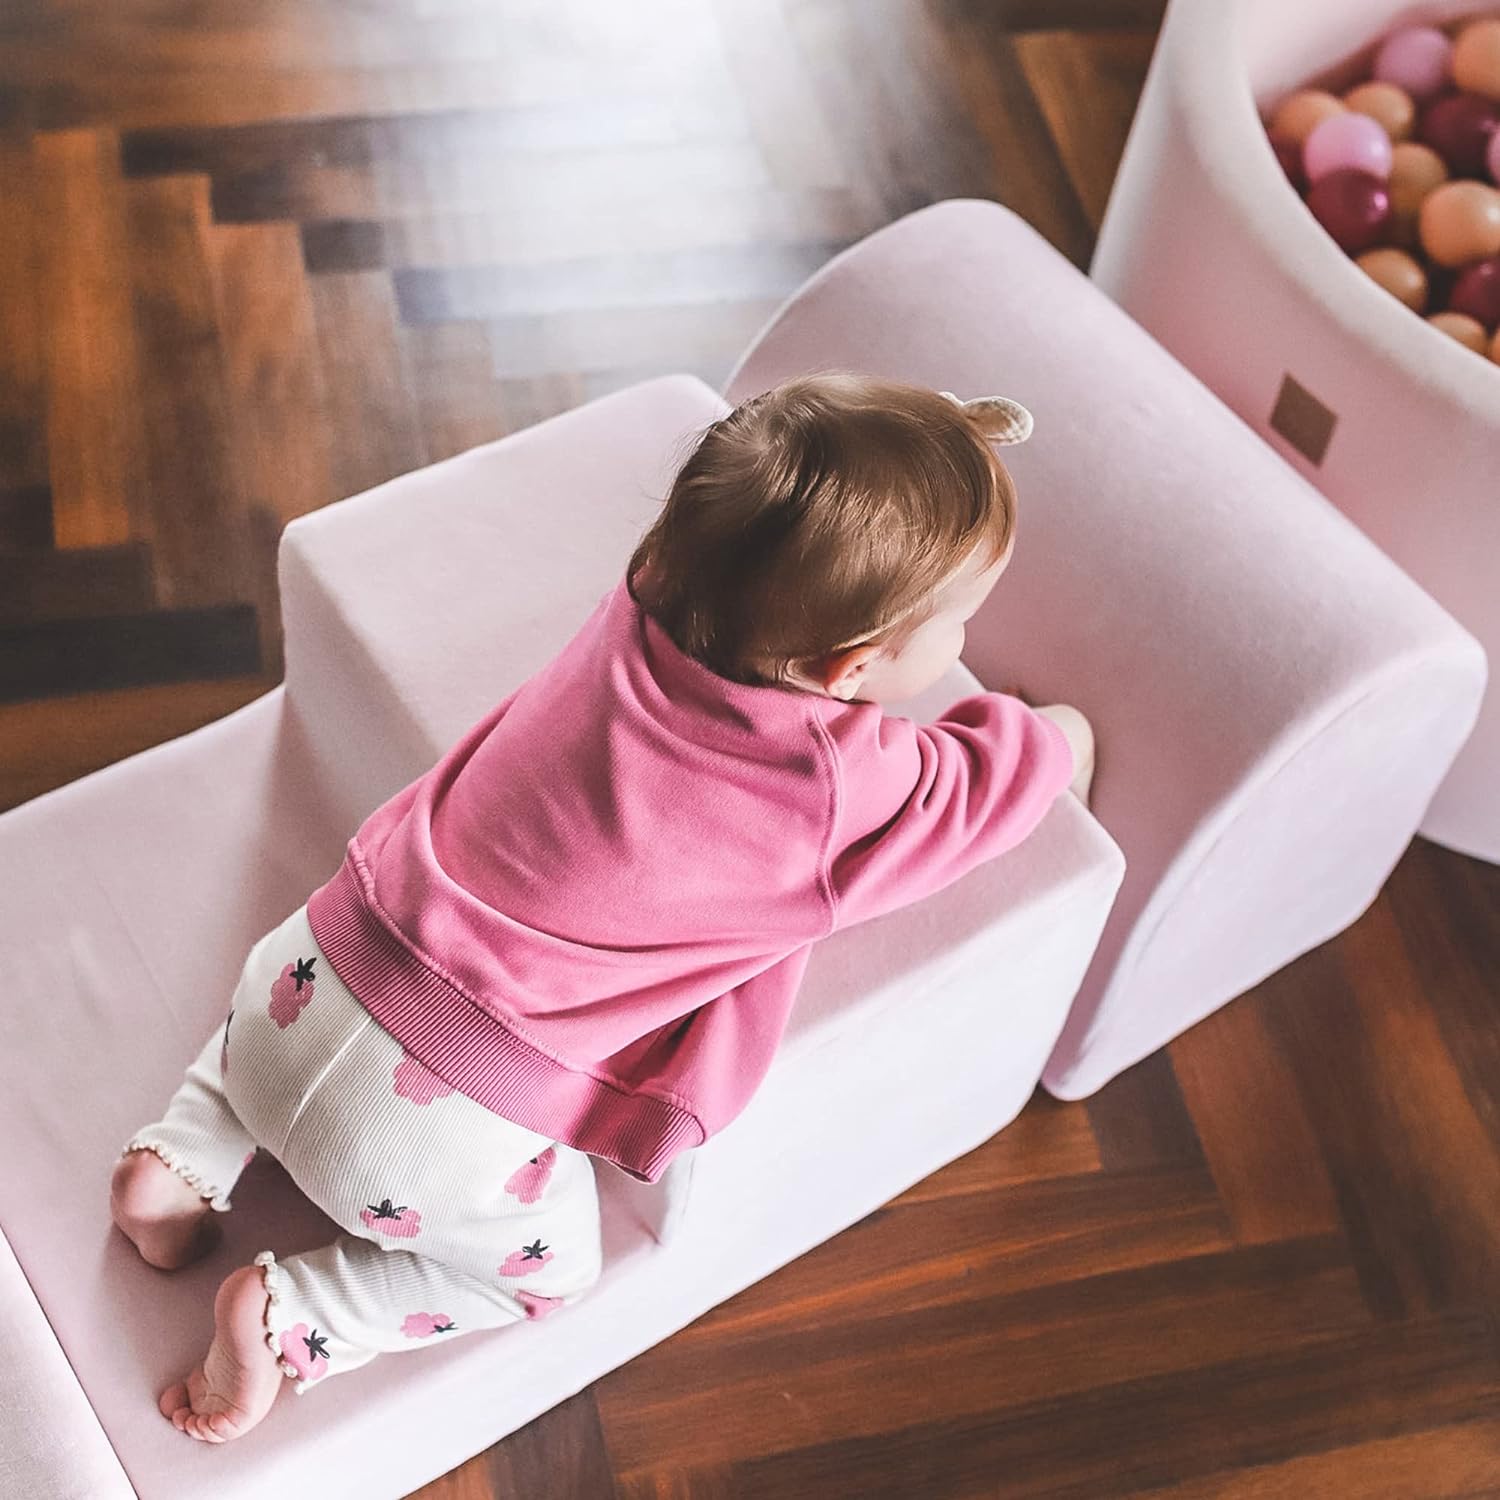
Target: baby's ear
x,y
1001,419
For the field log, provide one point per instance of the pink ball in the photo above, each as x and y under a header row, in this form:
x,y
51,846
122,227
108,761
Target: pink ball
x,y
1459,128
1416,58
1347,142
1477,292
1354,207
1492,156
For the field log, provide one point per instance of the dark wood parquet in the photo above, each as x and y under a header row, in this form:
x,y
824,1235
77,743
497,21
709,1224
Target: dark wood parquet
x,y
254,259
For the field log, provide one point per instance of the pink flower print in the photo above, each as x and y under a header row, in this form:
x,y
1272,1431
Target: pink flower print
x,y
291,993
523,1262
417,1082
537,1307
529,1181
303,1349
224,1048
401,1223
424,1325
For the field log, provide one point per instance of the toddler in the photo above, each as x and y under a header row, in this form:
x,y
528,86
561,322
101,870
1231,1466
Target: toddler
x,y
580,933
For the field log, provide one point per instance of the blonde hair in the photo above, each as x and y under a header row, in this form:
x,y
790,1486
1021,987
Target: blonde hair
x,y
823,512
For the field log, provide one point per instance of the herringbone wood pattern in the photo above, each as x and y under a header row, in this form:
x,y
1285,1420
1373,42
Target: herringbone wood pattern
x,y
253,259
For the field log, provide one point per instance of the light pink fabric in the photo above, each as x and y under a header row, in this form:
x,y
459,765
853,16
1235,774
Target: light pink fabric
x,y
46,1425
132,897
593,913
1274,700
1211,250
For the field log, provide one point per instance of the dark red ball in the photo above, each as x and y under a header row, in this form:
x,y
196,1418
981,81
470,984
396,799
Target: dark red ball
x,y
1289,154
1353,206
1477,292
1458,127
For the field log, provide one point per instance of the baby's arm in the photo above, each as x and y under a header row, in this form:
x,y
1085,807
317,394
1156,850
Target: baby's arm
x,y
1080,735
918,805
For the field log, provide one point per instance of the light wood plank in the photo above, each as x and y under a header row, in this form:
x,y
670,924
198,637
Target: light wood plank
x,y
95,438
46,743
372,420
23,426
1105,68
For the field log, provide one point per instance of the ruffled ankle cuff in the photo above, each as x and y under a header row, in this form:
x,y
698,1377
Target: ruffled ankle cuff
x,y
271,1274
218,1199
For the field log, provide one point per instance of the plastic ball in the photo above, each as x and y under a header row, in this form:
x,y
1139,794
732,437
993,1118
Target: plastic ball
x,y
1298,115
1390,107
1347,142
1397,273
1416,59
1354,207
1415,171
1289,157
1468,331
1476,58
1477,293
1460,223
1459,128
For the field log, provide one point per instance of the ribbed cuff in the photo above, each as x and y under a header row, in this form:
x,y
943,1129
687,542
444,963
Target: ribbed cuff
x,y
471,1050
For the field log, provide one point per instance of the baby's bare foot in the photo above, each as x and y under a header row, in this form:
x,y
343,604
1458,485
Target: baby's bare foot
x,y
167,1220
239,1379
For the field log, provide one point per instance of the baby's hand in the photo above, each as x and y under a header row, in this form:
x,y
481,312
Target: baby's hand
x,y
1080,735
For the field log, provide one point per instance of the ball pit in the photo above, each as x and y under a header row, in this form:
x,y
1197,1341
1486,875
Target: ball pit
x,y
1444,89
1353,364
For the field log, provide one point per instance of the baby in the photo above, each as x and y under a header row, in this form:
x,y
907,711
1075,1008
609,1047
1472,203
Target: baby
x,y
581,932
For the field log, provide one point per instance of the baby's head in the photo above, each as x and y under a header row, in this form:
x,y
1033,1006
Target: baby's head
x,y
833,534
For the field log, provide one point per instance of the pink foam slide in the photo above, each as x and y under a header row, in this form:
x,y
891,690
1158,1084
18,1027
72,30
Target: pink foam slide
x,y
1275,701
1208,247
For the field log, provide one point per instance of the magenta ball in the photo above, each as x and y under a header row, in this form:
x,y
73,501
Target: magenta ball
x,y
1477,292
1416,58
1492,155
1460,127
1347,142
1354,207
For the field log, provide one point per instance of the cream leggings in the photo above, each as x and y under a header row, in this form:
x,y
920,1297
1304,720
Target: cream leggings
x,y
455,1219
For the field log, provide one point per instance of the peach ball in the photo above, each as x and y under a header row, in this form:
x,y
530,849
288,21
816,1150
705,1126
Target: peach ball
x,y
1397,273
1459,222
1468,331
1390,107
1415,171
1298,115
1476,59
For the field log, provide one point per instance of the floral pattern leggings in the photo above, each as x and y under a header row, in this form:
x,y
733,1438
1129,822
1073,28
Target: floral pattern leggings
x,y
455,1219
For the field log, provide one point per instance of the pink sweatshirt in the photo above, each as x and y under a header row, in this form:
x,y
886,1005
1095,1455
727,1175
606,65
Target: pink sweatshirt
x,y
593,913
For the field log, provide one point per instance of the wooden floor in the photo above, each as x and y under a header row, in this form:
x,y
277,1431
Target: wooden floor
x,y
254,258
